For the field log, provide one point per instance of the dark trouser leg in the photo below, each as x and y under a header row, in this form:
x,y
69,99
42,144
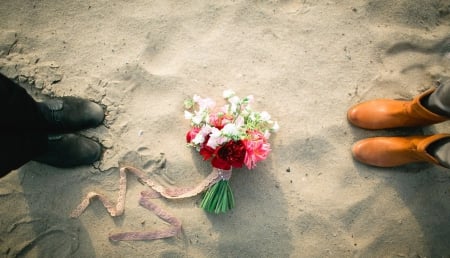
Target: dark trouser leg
x,y
22,127
441,151
439,103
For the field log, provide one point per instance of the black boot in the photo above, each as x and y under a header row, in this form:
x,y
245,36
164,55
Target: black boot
x,y
70,150
70,114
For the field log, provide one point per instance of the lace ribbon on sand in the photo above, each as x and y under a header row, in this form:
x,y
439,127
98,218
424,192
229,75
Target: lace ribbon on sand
x,y
169,193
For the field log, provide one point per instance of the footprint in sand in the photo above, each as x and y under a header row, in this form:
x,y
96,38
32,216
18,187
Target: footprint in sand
x,y
27,68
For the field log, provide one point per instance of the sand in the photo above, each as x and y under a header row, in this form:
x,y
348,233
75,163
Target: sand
x,y
306,62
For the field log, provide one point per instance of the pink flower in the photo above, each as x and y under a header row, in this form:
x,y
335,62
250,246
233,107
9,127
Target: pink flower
x,y
257,148
219,120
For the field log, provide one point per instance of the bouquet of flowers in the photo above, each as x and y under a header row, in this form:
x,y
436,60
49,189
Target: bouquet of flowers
x,y
231,136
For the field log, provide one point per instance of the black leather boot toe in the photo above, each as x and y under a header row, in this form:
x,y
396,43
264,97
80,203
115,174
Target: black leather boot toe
x,y
70,114
70,150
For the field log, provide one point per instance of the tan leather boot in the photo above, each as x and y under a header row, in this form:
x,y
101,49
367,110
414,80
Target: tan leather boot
x,y
395,151
388,113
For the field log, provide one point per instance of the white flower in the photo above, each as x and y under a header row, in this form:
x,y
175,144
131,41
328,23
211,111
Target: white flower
x,y
265,116
266,134
198,139
201,135
234,100
216,138
240,121
230,129
228,94
205,130
197,118
188,115
275,127
196,98
215,132
204,103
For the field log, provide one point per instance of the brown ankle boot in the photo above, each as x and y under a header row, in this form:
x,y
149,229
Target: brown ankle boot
x,y
388,113
396,151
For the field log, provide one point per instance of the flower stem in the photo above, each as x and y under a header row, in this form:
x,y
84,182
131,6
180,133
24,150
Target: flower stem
x,y
218,198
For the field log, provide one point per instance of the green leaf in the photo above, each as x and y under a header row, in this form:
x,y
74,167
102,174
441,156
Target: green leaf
x,y
188,103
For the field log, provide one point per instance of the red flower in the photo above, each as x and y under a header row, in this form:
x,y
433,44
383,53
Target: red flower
x,y
232,153
191,134
225,157
219,163
207,152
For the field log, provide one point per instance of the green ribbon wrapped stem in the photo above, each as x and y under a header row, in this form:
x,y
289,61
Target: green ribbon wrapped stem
x,y
218,198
